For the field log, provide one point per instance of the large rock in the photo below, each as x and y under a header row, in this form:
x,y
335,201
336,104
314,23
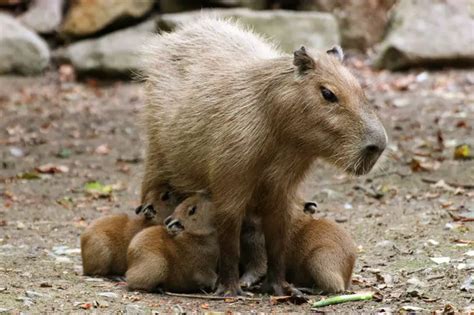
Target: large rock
x,y
21,50
429,33
43,16
113,54
87,17
362,23
289,29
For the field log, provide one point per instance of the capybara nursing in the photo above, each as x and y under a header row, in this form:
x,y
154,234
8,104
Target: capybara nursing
x,y
229,113
320,252
105,241
181,257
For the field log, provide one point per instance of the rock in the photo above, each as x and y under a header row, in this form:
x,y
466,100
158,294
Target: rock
x,y
109,295
289,29
428,33
21,50
43,16
113,54
357,31
86,17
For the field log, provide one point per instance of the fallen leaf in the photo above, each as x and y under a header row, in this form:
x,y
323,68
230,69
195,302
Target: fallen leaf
x,y
64,153
52,169
102,149
462,152
97,189
29,176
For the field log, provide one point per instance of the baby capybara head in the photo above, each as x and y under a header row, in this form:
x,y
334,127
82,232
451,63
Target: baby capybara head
x,y
193,215
334,118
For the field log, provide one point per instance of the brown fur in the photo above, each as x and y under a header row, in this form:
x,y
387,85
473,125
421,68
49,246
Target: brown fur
x,y
105,241
180,262
229,113
320,254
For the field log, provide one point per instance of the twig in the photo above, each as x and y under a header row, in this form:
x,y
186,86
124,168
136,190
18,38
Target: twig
x,y
344,298
212,297
457,185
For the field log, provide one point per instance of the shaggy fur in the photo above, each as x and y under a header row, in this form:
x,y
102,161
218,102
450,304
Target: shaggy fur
x,y
229,113
185,261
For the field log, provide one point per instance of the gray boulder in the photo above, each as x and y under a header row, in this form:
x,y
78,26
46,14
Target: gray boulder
x,y
428,33
289,29
21,50
43,16
113,54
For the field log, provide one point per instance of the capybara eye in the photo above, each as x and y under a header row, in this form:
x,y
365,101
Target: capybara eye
x,y
192,210
328,95
165,196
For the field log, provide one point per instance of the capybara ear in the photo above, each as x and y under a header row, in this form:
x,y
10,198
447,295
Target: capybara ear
x,y
303,61
337,52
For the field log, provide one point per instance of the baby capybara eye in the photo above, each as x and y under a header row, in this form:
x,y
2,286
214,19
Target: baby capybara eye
x,y
192,210
165,196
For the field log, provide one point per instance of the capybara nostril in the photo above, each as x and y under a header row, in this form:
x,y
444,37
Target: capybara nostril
x,y
168,220
373,149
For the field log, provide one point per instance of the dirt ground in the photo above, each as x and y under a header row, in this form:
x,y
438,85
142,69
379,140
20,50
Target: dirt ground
x,y
411,218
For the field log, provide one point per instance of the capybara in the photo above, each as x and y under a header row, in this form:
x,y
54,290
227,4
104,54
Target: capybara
x,y
105,241
320,253
229,113
181,257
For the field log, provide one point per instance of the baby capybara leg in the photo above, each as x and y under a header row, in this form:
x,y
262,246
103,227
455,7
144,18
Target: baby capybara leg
x,y
147,273
326,271
253,255
96,256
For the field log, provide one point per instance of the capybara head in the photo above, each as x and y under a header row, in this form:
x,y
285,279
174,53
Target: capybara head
x,y
330,114
193,215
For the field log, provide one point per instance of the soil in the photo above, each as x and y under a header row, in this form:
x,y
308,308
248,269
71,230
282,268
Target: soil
x,y
56,136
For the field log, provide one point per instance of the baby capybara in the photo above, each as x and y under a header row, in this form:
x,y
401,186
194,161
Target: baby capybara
x,y
105,241
180,257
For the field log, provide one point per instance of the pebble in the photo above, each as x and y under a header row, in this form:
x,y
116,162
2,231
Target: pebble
x,y
440,260
63,260
33,294
16,152
110,295
133,309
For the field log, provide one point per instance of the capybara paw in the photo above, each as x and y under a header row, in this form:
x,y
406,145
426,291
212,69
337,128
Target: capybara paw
x,y
310,207
281,288
148,210
249,279
230,291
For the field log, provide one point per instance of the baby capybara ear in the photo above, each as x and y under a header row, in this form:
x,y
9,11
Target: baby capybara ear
x,y
337,52
303,61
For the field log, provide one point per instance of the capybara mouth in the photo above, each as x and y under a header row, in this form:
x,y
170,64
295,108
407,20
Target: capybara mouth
x,y
174,226
363,165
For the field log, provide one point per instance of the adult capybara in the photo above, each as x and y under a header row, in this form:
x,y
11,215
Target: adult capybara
x,y
229,113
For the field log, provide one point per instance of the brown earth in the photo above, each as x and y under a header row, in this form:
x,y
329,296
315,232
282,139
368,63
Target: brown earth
x,y
88,132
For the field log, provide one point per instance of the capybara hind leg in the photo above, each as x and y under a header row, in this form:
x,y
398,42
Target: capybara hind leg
x,y
147,274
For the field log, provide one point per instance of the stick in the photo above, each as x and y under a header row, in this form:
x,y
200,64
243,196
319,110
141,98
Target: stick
x,y
434,181
344,298
212,297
